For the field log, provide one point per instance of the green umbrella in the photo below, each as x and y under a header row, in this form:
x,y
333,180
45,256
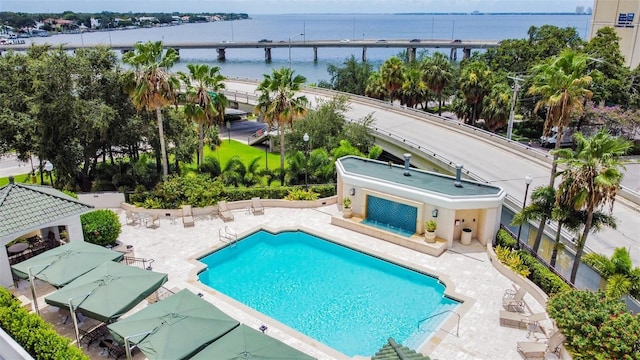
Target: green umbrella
x,y
59,266
174,328
108,291
244,342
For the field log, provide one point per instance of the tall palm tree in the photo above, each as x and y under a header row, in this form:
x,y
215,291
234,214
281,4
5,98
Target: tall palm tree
x,y
414,89
495,107
438,74
392,74
199,103
278,103
475,83
591,178
563,84
152,85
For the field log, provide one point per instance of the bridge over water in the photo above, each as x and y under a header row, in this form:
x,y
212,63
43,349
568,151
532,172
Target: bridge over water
x,y
411,45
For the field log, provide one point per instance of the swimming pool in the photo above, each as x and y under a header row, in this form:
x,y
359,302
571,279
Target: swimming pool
x,y
348,300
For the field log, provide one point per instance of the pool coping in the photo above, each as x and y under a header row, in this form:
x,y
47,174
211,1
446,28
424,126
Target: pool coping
x,y
445,329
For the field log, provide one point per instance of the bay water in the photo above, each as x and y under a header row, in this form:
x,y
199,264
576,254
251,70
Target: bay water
x,y
249,63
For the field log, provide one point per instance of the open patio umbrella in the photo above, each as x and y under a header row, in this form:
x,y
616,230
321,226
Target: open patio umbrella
x,y
174,328
244,342
108,291
59,266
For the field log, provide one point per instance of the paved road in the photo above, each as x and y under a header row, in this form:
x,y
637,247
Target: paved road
x,y
493,162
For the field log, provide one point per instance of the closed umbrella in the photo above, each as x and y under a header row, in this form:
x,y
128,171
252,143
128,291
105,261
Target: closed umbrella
x,y
174,328
244,342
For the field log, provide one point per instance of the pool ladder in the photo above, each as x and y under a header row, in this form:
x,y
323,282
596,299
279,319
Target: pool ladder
x,y
440,313
228,236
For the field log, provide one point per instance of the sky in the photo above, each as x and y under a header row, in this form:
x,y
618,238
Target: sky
x,y
293,6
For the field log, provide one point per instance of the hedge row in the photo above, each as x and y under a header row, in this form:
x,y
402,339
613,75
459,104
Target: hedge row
x,y
36,336
539,274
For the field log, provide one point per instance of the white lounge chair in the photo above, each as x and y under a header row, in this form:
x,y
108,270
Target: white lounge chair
x,y
224,212
520,321
514,301
187,216
132,219
256,206
537,350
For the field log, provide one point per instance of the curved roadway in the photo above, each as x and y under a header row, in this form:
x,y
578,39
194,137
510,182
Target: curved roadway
x,y
489,157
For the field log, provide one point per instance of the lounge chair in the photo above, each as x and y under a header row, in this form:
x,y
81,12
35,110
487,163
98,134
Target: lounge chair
x,y
132,219
187,216
537,350
224,212
514,301
520,321
256,206
151,222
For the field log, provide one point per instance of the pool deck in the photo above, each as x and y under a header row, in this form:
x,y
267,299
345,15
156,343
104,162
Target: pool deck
x,y
480,335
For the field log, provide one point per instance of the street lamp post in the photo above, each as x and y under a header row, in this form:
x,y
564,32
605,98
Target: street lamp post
x,y
266,154
229,130
306,160
290,37
527,180
48,166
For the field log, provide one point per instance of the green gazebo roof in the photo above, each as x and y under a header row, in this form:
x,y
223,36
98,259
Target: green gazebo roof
x,y
393,351
26,207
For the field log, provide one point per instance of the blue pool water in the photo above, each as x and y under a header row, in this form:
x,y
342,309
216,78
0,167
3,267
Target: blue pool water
x,y
348,300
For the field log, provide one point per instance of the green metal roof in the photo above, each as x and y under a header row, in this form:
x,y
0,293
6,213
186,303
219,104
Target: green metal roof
x,y
393,351
419,179
25,207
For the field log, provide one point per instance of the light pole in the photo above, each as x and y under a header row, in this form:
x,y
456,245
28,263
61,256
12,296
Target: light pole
x,y
305,137
266,155
290,37
229,130
527,180
48,166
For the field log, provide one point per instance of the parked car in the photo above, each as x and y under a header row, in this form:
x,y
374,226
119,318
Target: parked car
x,y
456,41
550,141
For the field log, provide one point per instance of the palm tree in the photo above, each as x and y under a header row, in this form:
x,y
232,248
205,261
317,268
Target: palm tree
x,y
413,90
278,103
563,84
475,84
154,86
621,277
591,178
392,74
438,74
375,87
495,107
199,104
541,206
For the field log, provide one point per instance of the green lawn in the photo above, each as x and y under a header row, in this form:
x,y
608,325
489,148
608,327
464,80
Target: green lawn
x,y
226,151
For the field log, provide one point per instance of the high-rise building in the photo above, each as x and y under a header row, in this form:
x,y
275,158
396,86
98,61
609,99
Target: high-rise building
x,y
622,15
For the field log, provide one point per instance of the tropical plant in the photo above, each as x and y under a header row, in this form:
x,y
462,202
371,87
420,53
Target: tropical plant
x,y
375,86
392,74
279,105
430,225
591,178
346,202
151,86
413,90
199,103
475,83
495,107
352,78
541,206
622,277
236,173
437,74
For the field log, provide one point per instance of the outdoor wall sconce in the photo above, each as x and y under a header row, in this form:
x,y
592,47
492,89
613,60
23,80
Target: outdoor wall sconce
x,y
352,191
434,213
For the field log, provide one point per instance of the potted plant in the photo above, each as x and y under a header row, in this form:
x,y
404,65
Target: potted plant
x,y
346,207
430,231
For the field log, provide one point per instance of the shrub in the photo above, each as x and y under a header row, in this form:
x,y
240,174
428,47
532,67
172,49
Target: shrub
x,y
512,259
549,282
36,336
596,326
299,194
101,227
505,240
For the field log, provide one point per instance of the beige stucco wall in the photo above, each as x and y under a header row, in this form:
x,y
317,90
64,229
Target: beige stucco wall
x,y
605,13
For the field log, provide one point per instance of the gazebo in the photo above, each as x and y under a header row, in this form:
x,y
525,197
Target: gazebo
x,y
25,209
